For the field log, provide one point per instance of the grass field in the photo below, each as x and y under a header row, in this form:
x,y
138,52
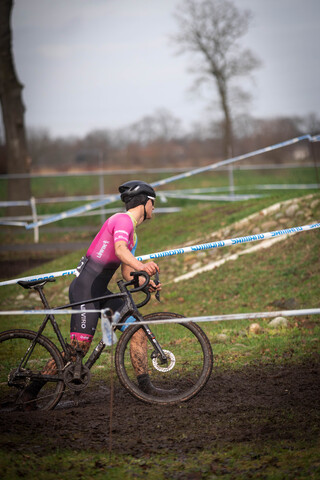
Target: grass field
x,y
89,185
285,276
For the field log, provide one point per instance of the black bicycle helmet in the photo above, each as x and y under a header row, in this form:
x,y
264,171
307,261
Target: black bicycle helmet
x,y
133,188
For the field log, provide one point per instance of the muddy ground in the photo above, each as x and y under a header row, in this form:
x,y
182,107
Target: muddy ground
x,y
256,404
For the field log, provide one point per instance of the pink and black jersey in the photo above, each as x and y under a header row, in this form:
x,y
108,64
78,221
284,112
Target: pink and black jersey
x,y
119,227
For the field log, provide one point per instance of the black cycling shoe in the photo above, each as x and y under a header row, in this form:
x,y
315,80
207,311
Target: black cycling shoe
x,y
146,386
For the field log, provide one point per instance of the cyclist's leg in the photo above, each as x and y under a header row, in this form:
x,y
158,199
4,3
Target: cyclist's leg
x,y
138,353
82,329
138,347
83,325
32,390
139,360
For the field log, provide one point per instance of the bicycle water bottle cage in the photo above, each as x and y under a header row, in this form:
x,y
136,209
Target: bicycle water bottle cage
x,y
35,283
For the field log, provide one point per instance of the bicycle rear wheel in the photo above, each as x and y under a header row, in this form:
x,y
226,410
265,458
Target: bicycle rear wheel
x,y
188,366
14,379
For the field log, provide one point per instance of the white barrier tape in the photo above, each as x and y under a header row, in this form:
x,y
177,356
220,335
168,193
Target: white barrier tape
x,y
42,276
280,186
45,312
289,186
179,251
210,198
233,316
18,203
99,173
113,198
10,220
231,160
273,166
228,242
75,211
13,224
212,318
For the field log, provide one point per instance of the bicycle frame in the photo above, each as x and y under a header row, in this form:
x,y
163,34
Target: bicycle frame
x,y
129,308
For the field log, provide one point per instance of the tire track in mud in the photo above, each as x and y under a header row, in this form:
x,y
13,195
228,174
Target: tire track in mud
x,y
254,404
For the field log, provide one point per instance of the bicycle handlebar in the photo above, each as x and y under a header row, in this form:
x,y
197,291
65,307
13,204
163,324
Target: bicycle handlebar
x,y
135,281
142,288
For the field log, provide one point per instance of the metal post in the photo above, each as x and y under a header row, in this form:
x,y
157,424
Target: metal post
x,y
231,180
314,150
35,219
230,170
101,186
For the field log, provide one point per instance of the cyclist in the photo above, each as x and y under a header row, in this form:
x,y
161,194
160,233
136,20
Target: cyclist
x,y
114,245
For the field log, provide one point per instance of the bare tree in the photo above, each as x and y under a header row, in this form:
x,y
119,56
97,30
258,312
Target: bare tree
x,y
12,111
210,30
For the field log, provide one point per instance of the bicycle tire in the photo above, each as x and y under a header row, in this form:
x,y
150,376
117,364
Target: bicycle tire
x,y
13,346
187,344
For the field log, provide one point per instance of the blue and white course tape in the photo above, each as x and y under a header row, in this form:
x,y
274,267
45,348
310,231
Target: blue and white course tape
x,y
228,242
113,198
209,318
179,251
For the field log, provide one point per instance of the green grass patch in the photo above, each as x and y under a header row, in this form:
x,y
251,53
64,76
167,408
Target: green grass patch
x,y
262,281
269,461
285,276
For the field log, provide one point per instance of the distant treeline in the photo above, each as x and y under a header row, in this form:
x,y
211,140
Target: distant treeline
x,y
158,141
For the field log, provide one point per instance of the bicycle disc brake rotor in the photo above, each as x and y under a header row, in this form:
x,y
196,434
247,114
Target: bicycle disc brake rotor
x,y
171,361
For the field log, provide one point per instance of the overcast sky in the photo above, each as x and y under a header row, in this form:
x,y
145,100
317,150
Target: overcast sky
x,y
89,64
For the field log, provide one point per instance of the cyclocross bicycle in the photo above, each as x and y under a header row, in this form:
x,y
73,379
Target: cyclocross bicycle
x,y
179,355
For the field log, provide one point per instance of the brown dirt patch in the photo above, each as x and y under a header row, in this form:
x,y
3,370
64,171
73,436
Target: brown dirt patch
x,y
255,404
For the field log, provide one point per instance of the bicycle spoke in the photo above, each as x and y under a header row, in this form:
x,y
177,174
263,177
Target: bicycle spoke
x,y
180,377
15,382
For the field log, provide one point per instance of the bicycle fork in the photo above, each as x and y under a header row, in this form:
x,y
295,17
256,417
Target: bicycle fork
x,y
158,352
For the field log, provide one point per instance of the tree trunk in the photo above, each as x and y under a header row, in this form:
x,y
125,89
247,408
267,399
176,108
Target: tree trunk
x,y
228,134
13,115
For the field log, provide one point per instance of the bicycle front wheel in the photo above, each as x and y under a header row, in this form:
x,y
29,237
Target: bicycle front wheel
x,y
17,375
186,370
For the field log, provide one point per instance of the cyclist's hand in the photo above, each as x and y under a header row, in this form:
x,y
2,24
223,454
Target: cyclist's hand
x,y
150,267
154,287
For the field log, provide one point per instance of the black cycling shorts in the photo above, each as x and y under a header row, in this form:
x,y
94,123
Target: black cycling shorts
x,y
92,282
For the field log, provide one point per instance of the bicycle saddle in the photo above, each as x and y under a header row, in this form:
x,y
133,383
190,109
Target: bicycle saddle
x,y
34,283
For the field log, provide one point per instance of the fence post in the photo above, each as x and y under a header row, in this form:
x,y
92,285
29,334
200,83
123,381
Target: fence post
x,y
314,149
101,192
101,185
231,180
34,218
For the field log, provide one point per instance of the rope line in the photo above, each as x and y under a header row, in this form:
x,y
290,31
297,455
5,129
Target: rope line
x,y
214,166
210,318
179,251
